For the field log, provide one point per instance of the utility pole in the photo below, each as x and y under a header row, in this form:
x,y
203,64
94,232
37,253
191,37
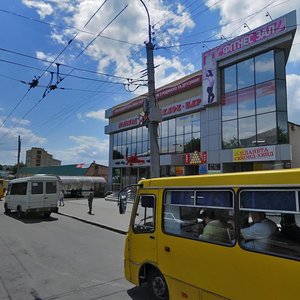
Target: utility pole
x,y
153,112
19,151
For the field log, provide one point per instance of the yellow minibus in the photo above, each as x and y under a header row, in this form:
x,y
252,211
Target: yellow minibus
x,y
1,188
218,236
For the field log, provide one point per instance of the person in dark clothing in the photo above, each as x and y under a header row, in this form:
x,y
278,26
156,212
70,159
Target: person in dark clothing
x,y
90,200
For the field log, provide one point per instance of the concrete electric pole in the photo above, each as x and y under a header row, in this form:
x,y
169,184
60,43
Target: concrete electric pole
x,y
153,112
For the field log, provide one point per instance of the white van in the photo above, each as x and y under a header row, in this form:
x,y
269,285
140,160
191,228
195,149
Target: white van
x,y
35,194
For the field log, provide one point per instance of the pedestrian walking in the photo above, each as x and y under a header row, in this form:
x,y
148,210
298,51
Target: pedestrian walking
x,y
90,200
61,198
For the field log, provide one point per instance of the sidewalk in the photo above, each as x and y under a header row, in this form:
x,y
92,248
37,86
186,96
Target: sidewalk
x,y
105,213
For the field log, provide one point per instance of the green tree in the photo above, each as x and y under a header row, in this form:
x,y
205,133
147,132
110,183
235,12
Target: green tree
x,y
14,168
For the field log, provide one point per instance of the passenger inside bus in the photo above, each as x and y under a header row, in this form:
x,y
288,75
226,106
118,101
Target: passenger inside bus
x,y
257,235
215,230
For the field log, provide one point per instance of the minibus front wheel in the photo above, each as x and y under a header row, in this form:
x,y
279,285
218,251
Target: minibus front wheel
x,y
157,284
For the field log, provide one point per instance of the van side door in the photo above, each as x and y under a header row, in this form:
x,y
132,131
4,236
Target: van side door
x,y
143,231
51,193
36,196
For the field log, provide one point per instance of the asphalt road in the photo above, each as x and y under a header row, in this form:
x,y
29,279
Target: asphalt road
x,y
62,258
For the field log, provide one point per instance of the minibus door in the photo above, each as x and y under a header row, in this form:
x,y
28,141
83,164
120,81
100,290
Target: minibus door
x,y
143,235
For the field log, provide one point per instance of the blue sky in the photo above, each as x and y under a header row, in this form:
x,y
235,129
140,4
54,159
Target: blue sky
x,y
96,54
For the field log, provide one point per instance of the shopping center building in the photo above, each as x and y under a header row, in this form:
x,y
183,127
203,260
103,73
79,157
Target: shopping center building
x,y
230,116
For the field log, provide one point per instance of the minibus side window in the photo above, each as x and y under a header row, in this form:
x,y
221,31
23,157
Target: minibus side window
x,y
144,218
19,188
36,188
269,221
51,188
206,215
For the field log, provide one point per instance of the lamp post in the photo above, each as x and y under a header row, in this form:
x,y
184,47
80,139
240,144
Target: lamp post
x,y
153,112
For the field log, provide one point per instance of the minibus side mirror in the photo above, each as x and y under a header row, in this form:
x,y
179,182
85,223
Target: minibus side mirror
x,y
123,197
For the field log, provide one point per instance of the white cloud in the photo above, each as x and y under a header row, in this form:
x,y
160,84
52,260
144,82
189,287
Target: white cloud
x,y
86,150
99,115
8,144
43,9
293,94
234,13
131,26
20,121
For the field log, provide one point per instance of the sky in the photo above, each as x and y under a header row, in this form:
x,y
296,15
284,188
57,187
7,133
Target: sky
x,y
64,62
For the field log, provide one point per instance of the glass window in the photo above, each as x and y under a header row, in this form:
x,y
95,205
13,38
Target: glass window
x,y
179,143
172,127
180,125
264,67
128,137
230,79
145,133
139,134
18,188
265,97
229,133
281,95
196,122
36,188
229,106
145,149
144,217
266,129
283,136
51,187
115,138
180,197
247,132
246,102
214,224
172,144
271,200
245,73
187,140
164,129
188,124
214,199
164,145
269,222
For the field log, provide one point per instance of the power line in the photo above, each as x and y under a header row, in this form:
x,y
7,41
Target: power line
x,y
48,61
101,31
65,26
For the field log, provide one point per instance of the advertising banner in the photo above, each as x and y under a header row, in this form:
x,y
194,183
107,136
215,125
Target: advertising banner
x,y
210,57
254,154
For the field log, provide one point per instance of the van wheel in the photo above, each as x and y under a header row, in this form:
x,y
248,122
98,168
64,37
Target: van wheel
x,y
19,213
157,285
6,209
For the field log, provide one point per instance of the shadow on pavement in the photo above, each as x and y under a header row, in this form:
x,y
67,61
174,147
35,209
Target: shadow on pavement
x,y
31,219
140,293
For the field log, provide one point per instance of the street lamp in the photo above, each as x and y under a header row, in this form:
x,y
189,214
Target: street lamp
x,y
153,112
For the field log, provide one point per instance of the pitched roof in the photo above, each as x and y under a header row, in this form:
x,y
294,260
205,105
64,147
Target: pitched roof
x,y
68,170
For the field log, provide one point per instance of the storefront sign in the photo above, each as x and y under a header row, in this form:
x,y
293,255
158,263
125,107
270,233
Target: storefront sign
x,y
254,154
167,111
179,88
160,94
196,158
210,58
181,107
260,34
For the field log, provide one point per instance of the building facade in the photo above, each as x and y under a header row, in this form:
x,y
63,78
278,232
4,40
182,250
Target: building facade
x,y
38,157
230,116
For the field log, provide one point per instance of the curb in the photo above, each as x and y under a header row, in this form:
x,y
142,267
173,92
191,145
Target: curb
x,y
95,224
